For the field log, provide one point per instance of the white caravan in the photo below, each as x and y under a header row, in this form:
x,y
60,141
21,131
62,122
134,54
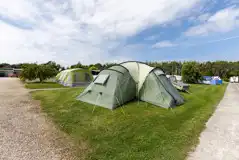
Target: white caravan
x,y
234,79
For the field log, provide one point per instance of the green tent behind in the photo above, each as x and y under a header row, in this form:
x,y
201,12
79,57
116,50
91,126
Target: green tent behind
x,y
121,83
74,77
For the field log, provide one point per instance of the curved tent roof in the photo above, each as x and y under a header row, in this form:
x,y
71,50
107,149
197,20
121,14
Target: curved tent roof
x,y
139,71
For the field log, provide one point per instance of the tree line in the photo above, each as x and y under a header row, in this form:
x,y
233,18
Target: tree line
x,y
195,70
192,70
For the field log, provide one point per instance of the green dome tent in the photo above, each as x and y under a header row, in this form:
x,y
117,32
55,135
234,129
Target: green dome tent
x,y
74,77
121,83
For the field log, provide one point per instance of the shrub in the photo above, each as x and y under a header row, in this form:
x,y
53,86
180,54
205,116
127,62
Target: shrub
x,y
34,71
93,68
29,72
44,72
191,72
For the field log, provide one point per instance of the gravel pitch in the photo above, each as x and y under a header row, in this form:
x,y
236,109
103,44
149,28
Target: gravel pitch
x,y
220,139
25,133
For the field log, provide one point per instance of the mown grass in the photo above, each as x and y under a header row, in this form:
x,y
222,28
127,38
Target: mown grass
x,y
38,85
135,131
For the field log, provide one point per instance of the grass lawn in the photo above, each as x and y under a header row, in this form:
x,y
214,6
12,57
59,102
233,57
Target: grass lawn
x,y
136,131
38,85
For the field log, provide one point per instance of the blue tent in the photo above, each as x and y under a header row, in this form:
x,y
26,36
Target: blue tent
x,y
216,81
212,80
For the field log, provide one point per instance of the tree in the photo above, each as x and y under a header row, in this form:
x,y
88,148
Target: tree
x,y
79,65
168,67
107,65
191,72
45,71
98,66
224,69
5,65
28,72
93,68
54,65
206,69
62,69
34,71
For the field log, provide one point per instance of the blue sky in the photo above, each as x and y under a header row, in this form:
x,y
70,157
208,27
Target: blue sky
x,y
92,31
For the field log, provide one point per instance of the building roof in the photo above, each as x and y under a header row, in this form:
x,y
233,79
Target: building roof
x,y
3,69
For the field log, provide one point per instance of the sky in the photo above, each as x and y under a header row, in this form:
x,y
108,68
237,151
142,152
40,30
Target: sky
x,y
92,31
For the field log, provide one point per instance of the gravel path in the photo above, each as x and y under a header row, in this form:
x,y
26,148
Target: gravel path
x,y
220,139
24,132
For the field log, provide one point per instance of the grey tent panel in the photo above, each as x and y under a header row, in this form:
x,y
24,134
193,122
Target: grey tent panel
x,y
154,92
178,99
118,89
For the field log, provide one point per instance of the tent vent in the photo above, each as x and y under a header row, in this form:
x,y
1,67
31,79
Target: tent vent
x,y
101,79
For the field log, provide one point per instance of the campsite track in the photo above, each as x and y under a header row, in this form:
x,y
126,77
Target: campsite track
x,y
220,139
25,132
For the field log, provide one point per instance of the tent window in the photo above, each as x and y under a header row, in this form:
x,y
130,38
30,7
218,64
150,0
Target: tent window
x,y
77,77
87,77
69,79
101,79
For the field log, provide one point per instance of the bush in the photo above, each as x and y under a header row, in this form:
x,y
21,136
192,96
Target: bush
x,y
226,79
191,72
45,71
29,72
93,68
34,71
22,79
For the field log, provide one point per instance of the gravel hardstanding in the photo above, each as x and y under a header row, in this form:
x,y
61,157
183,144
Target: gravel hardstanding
x,y
25,134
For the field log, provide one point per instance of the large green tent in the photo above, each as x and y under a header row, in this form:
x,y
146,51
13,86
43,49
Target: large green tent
x,y
121,83
74,77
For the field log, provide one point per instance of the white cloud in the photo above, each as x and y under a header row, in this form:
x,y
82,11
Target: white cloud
x,y
20,9
223,21
80,30
128,17
164,44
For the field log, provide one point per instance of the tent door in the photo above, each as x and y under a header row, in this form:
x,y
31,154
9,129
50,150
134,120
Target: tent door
x,y
77,77
158,77
87,77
